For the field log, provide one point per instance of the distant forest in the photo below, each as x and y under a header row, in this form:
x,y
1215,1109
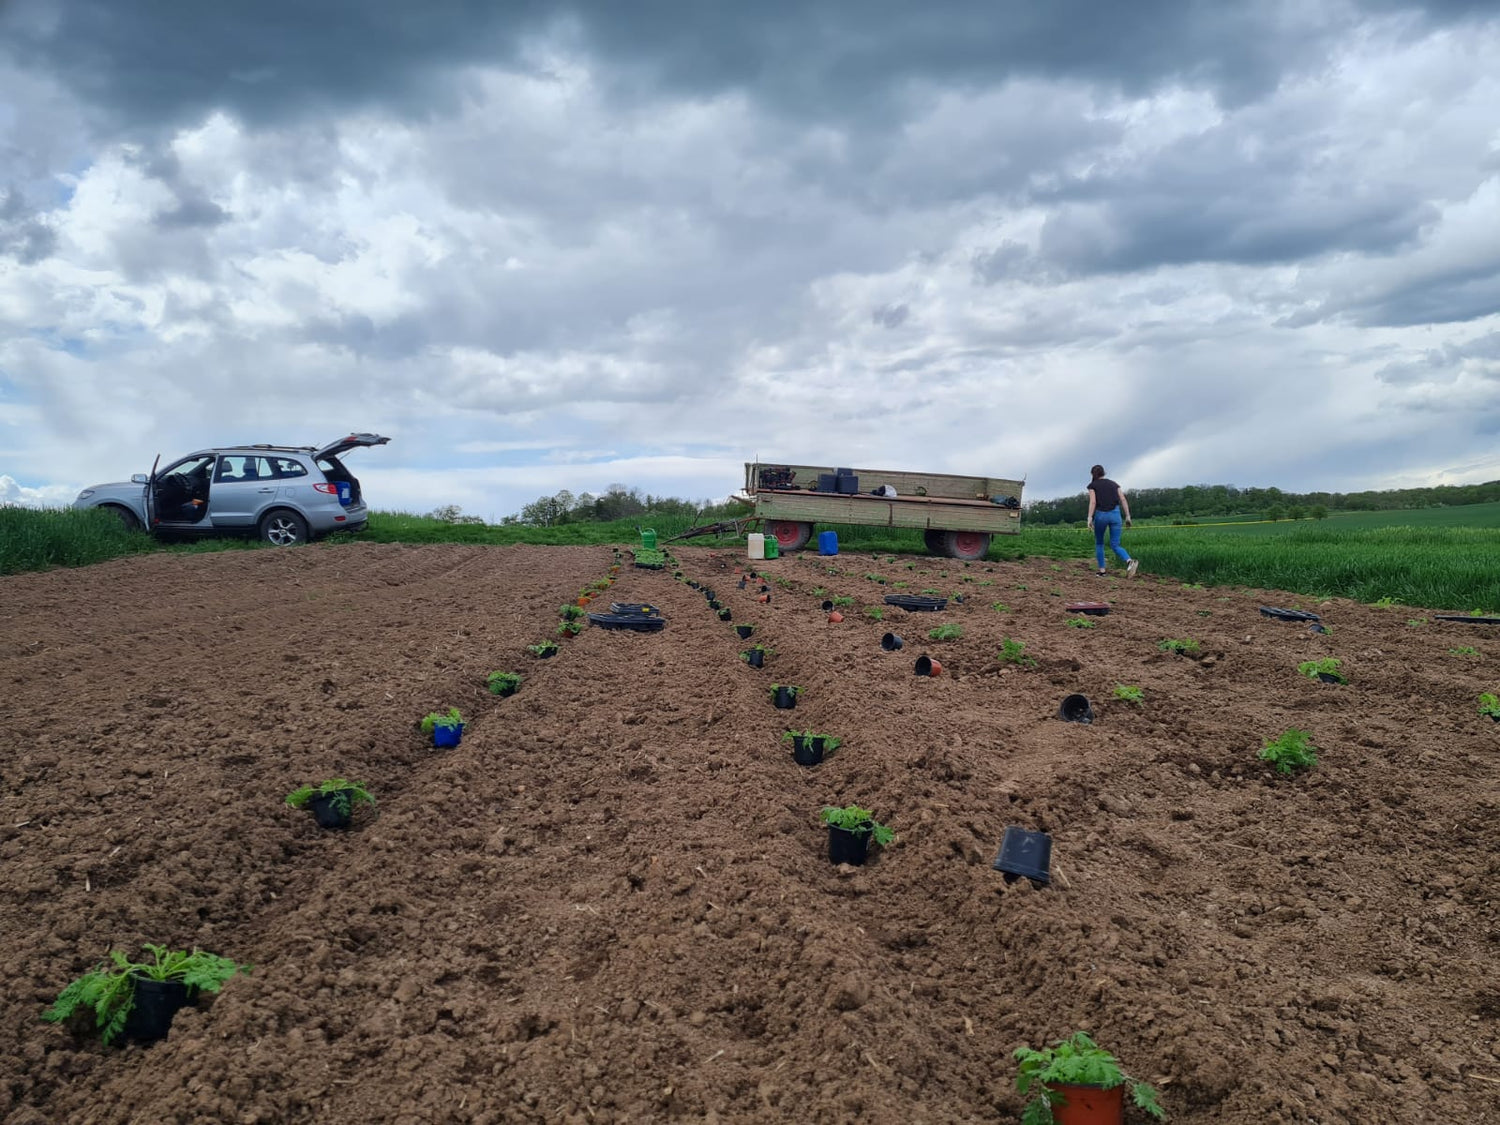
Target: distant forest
x,y
1196,501
1192,501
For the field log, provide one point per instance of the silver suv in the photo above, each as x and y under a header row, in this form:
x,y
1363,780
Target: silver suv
x,y
282,494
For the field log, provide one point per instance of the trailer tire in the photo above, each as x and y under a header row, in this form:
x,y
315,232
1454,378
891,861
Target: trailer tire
x,y
934,542
790,535
967,545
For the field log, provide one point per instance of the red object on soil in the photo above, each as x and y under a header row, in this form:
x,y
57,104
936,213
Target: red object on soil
x,y
1089,1105
835,617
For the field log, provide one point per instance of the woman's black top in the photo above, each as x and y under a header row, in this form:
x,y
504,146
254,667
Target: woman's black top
x,y
1106,494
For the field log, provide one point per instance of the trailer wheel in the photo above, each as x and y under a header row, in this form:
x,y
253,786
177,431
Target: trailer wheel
x,y
791,535
934,542
967,545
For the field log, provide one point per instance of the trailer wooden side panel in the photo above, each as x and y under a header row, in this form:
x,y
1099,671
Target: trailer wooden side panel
x,y
905,484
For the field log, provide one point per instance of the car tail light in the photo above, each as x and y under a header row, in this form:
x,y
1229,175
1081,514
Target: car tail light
x,y
339,519
330,489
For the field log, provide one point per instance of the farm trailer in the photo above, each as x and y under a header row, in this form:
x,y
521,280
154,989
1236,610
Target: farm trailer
x,y
956,515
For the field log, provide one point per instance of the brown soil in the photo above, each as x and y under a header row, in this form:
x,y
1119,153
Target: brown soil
x,y
613,902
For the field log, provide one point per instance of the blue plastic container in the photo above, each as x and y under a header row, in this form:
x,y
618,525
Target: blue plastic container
x,y
828,542
445,737
346,493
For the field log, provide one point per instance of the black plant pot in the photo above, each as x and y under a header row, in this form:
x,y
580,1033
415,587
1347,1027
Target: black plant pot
x,y
1329,678
847,847
808,751
1076,709
756,658
327,812
709,594
725,615
751,574
156,1002
785,699
828,606
694,584
742,583
744,630
713,603
891,642
1025,855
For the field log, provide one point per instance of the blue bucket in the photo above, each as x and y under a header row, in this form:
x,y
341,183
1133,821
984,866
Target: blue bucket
x,y
346,492
828,542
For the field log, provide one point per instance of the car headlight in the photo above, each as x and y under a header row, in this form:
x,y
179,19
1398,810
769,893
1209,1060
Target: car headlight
x,y
85,494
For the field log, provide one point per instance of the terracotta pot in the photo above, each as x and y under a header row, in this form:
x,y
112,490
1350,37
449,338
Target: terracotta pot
x,y
927,666
1089,1105
764,598
835,617
582,601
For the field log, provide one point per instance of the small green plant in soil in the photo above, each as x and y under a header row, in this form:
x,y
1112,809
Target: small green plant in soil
x,y
1290,752
945,633
500,683
875,613
1383,603
1181,647
1074,1061
861,822
764,650
1463,650
986,582
108,990
434,719
343,795
1080,622
569,628
1205,613
571,612
1055,566
830,743
1014,652
1020,586
1489,704
1192,585
932,593
843,602
789,687
900,585
1129,693
1327,666
784,583
1416,621
818,591
1000,607
544,648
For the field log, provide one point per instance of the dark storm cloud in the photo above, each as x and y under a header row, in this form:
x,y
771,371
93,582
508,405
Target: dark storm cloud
x,y
167,62
23,236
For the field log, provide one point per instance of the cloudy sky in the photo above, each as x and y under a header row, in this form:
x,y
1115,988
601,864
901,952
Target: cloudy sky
x,y
547,244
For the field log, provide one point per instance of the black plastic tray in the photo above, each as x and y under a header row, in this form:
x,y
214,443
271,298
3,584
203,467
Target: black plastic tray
x,y
635,609
632,621
916,603
1289,614
1092,609
1466,619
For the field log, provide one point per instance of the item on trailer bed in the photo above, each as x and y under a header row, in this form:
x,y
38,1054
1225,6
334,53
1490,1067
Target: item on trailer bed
x,y
915,603
776,476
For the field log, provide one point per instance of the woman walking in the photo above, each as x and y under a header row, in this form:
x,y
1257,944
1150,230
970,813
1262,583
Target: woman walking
x,y
1106,499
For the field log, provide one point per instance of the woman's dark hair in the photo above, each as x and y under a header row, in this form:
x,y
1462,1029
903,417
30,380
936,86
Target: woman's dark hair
x,y
1097,471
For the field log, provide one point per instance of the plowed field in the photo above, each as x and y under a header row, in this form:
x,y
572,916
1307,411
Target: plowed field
x,y
613,901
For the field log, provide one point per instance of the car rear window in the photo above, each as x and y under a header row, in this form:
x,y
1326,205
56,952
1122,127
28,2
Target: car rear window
x,y
285,467
237,467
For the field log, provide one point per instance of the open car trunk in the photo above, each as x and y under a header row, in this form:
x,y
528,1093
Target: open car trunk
x,y
334,470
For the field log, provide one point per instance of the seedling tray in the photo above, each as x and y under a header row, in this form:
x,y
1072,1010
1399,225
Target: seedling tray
x,y
916,603
634,609
1466,619
1289,614
635,622
1093,609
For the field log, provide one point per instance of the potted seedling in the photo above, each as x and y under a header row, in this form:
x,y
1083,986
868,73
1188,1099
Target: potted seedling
x,y
1180,647
1290,752
570,612
725,614
755,655
446,729
809,747
503,684
331,802
138,999
543,650
1325,671
1077,1082
784,696
1489,704
567,629
849,832
744,631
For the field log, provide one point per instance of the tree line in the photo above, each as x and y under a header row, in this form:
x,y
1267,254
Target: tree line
x,y
617,502
1193,501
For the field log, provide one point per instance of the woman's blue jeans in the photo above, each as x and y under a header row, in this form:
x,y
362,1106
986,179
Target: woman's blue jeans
x,y
1110,522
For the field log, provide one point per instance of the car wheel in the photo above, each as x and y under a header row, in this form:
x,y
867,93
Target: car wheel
x,y
128,519
283,529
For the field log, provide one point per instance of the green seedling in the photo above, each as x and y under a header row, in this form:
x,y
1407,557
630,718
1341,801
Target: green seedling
x,y
1000,607
571,612
1020,586
900,585
861,822
764,650
932,593
108,990
830,743
1416,621
1328,666
601,584
945,633
1181,647
1205,613
1192,585
875,613
843,602
986,582
1074,1061
1383,603
1489,704
434,719
1014,652
502,683
1129,693
1463,650
1080,622
818,591
545,648
1055,566
1291,752
789,687
784,583
343,795
569,628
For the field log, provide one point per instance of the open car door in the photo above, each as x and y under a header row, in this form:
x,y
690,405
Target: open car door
x,y
353,441
151,518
